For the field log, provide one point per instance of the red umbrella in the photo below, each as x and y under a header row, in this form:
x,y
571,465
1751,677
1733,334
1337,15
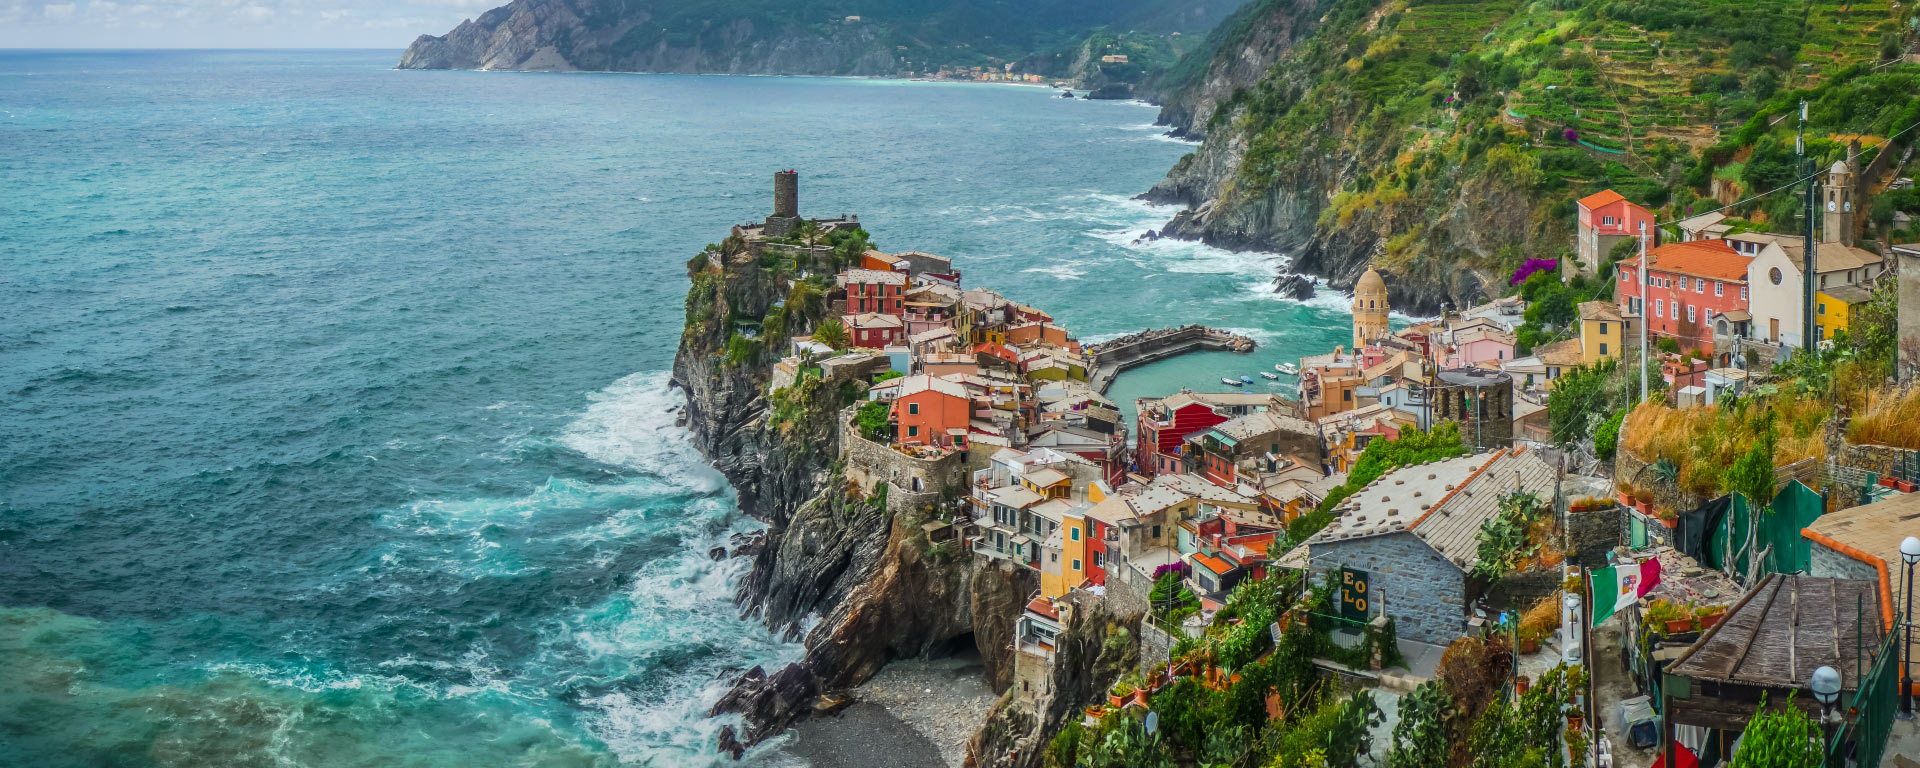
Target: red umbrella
x,y
1683,758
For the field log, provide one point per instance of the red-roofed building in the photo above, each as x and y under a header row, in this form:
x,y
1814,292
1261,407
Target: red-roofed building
x,y
1689,283
1606,218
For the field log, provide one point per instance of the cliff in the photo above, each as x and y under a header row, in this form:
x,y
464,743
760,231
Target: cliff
x,y
1090,655
850,556
1445,142
801,37
601,35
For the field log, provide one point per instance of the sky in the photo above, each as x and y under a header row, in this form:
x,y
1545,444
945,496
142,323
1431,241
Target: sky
x,y
229,23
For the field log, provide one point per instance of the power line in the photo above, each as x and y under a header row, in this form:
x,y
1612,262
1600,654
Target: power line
x,y
1796,182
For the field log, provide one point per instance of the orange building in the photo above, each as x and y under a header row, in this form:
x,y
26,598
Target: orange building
x,y
932,411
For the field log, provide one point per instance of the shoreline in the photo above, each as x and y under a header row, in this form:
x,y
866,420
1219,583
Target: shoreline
x,y
913,712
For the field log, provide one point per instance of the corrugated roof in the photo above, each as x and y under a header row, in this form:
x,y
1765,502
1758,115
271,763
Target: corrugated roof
x,y
1444,502
1784,629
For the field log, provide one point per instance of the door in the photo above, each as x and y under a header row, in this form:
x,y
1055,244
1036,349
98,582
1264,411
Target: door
x,y
1773,329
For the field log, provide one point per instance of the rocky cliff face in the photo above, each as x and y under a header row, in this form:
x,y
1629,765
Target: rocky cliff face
x,y
614,36
1236,55
857,569
1089,656
1298,163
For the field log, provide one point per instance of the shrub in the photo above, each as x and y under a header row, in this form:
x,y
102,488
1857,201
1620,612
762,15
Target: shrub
x,y
1779,737
1606,439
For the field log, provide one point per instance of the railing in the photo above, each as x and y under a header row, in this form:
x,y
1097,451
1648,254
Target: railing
x,y
1864,736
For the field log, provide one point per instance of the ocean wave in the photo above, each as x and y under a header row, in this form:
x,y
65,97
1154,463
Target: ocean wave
x,y
630,424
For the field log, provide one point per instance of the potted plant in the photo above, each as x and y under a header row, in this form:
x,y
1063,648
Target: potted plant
x,y
1529,640
1643,500
1520,684
1626,493
1122,691
1710,615
1669,619
1574,723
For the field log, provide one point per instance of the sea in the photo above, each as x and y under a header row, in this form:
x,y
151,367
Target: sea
x,y
334,426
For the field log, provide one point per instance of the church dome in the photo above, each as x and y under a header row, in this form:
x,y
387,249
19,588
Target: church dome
x,y
1839,166
1370,283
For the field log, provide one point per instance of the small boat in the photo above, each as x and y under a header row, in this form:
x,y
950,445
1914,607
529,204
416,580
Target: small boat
x,y
1232,382
1272,376
1246,379
1288,368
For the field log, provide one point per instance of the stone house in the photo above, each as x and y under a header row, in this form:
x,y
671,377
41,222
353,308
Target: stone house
x,y
1415,531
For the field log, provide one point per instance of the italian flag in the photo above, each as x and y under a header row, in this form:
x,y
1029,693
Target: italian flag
x,y
1617,587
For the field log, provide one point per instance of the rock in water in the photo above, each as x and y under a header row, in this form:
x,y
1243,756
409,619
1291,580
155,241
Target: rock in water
x,y
729,744
1294,286
717,553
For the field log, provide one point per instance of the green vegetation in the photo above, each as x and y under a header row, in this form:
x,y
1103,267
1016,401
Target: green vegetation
x,y
873,421
1509,111
1170,600
1511,536
1420,738
1779,737
832,333
1380,457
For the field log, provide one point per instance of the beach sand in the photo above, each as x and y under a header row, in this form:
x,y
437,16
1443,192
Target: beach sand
x,y
914,713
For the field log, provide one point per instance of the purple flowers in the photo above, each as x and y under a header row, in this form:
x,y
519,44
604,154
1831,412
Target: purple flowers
x,y
1571,135
1179,568
1533,265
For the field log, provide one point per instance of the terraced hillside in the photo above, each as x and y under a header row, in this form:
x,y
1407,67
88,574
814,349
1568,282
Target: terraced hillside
x,y
1446,140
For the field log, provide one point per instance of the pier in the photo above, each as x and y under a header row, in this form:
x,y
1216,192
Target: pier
x,y
1153,345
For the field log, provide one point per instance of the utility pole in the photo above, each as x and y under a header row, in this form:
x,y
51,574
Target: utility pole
x,y
1807,273
1644,266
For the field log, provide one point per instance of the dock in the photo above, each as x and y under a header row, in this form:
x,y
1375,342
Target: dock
x,y
1133,350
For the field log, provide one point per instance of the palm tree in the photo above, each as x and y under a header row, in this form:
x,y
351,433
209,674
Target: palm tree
x,y
832,333
808,231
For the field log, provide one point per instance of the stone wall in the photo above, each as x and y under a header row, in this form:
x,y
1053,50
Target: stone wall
x,y
1155,645
1423,592
913,478
1828,563
1593,533
1658,534
1518,592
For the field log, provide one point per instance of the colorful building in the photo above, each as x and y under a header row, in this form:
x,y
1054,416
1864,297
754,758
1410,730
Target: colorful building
x,y
1162,424
932,411
874,291
873,330
1602,331
1836,306
1687,285
1606,218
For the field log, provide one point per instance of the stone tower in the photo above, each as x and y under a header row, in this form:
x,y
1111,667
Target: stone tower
x,y
1837,203
786,204
1369,309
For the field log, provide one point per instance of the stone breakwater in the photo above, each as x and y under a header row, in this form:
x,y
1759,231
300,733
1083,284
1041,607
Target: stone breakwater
x,y
1153,345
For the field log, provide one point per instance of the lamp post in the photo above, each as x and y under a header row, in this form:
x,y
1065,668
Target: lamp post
x,y
1909,554
1826,690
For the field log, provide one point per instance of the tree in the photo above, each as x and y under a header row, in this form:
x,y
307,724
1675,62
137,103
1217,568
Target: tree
x,y
808,231
1779,737
1752,476
832,333
1420,738
873,420
1606,439
1579,397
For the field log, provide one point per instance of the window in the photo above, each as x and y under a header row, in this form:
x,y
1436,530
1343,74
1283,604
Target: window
x,y
913,409
1075,532
1774,275
1603,329
1098,560
913,431
1707,314
1743,293
1699,285
1076,565
1719,288
1053,557
1500,354
1603,348
1823,307
1659,307
1156,531
1689,314
1346,395
1823,281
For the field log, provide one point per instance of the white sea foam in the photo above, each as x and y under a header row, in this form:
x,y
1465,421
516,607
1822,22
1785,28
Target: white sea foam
x,y
631,424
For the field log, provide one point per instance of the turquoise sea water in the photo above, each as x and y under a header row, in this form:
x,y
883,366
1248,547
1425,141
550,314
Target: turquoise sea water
x,y
334,426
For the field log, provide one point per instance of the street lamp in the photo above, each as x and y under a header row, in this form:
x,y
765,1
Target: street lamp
x,y
1909,554
1826,690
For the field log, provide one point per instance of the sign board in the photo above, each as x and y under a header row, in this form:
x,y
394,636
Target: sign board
x,y
1354,587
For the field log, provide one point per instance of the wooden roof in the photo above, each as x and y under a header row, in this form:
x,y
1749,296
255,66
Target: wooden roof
x,y
1784,629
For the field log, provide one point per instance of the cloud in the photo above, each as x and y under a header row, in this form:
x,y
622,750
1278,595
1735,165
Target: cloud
x,y
255,13
58,11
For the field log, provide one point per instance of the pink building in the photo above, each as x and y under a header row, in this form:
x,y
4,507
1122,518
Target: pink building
x,y
1606,218
1476,344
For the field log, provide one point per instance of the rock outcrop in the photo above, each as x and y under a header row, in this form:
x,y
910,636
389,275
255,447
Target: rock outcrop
x,y
1237,54
608,36
850,572
1092,653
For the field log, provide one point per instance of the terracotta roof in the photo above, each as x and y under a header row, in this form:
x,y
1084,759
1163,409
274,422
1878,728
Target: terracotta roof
x,y
1214,564
1559,353
1603,197
1835,257
1701,258
1600,310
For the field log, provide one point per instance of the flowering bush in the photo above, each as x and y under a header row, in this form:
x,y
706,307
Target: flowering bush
x,y
1533,265
1176,568
1571,135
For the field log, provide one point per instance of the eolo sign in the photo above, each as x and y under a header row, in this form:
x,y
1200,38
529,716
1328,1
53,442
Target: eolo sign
x,y
1353,594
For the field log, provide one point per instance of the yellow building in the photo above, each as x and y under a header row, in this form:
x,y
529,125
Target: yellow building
x,y
1835,306
1369,309
1602,331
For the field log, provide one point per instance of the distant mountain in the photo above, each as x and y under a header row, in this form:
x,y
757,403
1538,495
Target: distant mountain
x,y
811,37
